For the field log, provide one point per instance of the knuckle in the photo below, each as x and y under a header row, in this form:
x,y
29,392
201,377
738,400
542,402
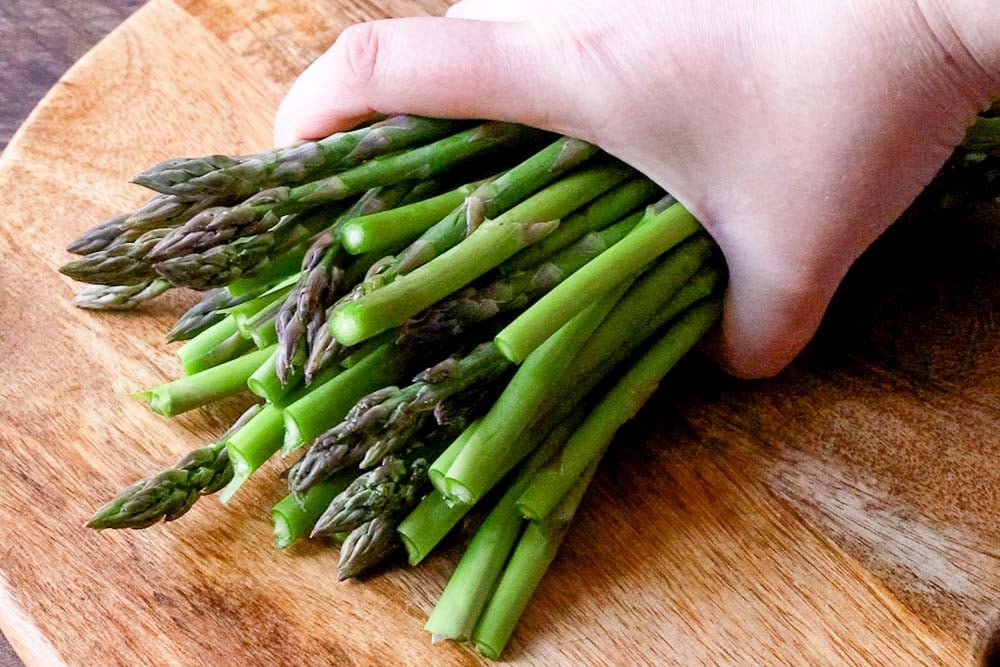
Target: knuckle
x,y
360,46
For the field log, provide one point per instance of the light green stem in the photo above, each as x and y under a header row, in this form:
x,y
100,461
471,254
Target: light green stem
x,y
294,519
385,230
646,242
621,403
531,559
496,446
484,249
325,405
193,391
472,583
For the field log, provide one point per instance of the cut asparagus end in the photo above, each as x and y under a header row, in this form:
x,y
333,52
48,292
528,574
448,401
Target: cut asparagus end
x,y
486,650
293,436
251,445
414,554
282,530
344,325
529,512
438,479
458,492
241,473
354,238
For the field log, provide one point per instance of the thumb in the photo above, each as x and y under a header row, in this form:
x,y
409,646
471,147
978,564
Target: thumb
x,y
448,68
775,299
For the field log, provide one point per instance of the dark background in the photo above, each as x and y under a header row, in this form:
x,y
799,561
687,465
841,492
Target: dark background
x,y
39,39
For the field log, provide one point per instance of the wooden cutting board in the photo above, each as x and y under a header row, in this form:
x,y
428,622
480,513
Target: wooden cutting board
x,y
846,512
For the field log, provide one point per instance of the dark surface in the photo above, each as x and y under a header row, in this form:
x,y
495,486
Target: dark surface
x,y
39,39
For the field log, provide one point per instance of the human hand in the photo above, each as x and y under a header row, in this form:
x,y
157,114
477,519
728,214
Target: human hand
x,y
796,132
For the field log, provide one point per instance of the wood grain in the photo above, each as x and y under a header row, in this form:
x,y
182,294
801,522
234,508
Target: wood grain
x,y
844,513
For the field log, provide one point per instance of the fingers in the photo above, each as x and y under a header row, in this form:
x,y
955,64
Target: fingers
x,y
492,10
428,66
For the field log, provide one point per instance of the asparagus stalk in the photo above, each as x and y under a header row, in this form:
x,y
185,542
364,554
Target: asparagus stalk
x,y
435,516
489,200
251,445
219,343
384,230
613,205
534,553
173,491
322,407
264,381
647,305
551,484
439,468
100,237
462,311
243,256
193,391
235,178
218,225
654,300
119,297
206,313
497,439
273,272
294,517
475,577
491,244
657,234
388,419
160,212
303,313
428,523
125,263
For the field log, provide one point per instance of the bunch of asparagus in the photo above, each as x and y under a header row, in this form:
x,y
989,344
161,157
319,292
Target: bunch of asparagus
x,y
436,315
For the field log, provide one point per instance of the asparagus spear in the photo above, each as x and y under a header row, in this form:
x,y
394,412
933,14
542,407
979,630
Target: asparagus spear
x,y
534,553
99,237
475,577
651,238
491,244
554,481
206,312
125,263
488,200
242,257
303,314
235,178
193,391
615,204
161,211
394,486
171,492
388,419
294,517
633,319
383,230
218,225
459,313
497,437
367,546
321,407
119,297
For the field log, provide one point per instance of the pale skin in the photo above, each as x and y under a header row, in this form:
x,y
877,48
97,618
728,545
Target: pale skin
x,y
796,131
